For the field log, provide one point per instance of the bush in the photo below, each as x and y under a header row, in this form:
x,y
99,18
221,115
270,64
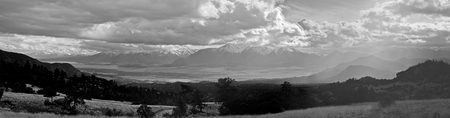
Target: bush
x,y
113,112
145,112
1,92
47,93
386,102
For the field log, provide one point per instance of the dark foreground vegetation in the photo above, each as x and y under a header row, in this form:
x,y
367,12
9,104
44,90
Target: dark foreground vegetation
x,y
427,80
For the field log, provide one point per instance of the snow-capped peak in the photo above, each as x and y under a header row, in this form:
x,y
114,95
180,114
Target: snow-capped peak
x,y
184,52
233,48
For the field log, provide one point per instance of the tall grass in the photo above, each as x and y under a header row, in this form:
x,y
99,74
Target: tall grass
x,y
48,115
439,108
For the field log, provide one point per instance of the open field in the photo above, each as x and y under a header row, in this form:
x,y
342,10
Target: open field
x,y
439,108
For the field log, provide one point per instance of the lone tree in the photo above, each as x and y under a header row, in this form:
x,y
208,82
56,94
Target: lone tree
x,y
145,112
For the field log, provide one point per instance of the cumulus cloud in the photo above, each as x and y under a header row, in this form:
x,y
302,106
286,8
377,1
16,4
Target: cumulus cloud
x,y
341,34
42,45
45,46
155,22
392,23
392,20
103,25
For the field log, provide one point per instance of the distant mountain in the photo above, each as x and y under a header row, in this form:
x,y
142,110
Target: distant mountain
x,y
332,75
398,53
157,57
244,55
338,57
374,62
22,59
357,71
337,74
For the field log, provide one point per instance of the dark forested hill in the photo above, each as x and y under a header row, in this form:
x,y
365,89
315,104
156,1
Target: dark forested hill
x,y
23,59
17,70
426,80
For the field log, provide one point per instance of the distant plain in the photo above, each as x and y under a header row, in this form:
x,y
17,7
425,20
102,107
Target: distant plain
x,y
192,74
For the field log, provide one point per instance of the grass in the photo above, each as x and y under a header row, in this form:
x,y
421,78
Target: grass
x,y
47,115
401,109
31,106
34,103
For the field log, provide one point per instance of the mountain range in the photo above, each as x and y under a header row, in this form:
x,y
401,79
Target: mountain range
x,y
151,58
243,55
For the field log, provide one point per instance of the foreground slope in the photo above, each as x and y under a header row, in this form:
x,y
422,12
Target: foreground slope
x,y
401,109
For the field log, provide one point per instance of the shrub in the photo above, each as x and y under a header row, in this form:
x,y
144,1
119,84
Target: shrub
x,y
47,102
47,93
113,112
1,92
386,102
145,112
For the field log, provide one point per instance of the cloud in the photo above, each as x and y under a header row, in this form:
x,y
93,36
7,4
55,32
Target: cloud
x,y
154,22
41,46
393,23
415,41
103,25
326,10
395,19
336,35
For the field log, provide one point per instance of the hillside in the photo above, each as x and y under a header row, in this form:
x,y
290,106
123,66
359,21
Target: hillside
x,y
18,76
438,108
23,59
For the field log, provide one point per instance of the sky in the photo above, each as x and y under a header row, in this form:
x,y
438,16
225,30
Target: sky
x,y
74,27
